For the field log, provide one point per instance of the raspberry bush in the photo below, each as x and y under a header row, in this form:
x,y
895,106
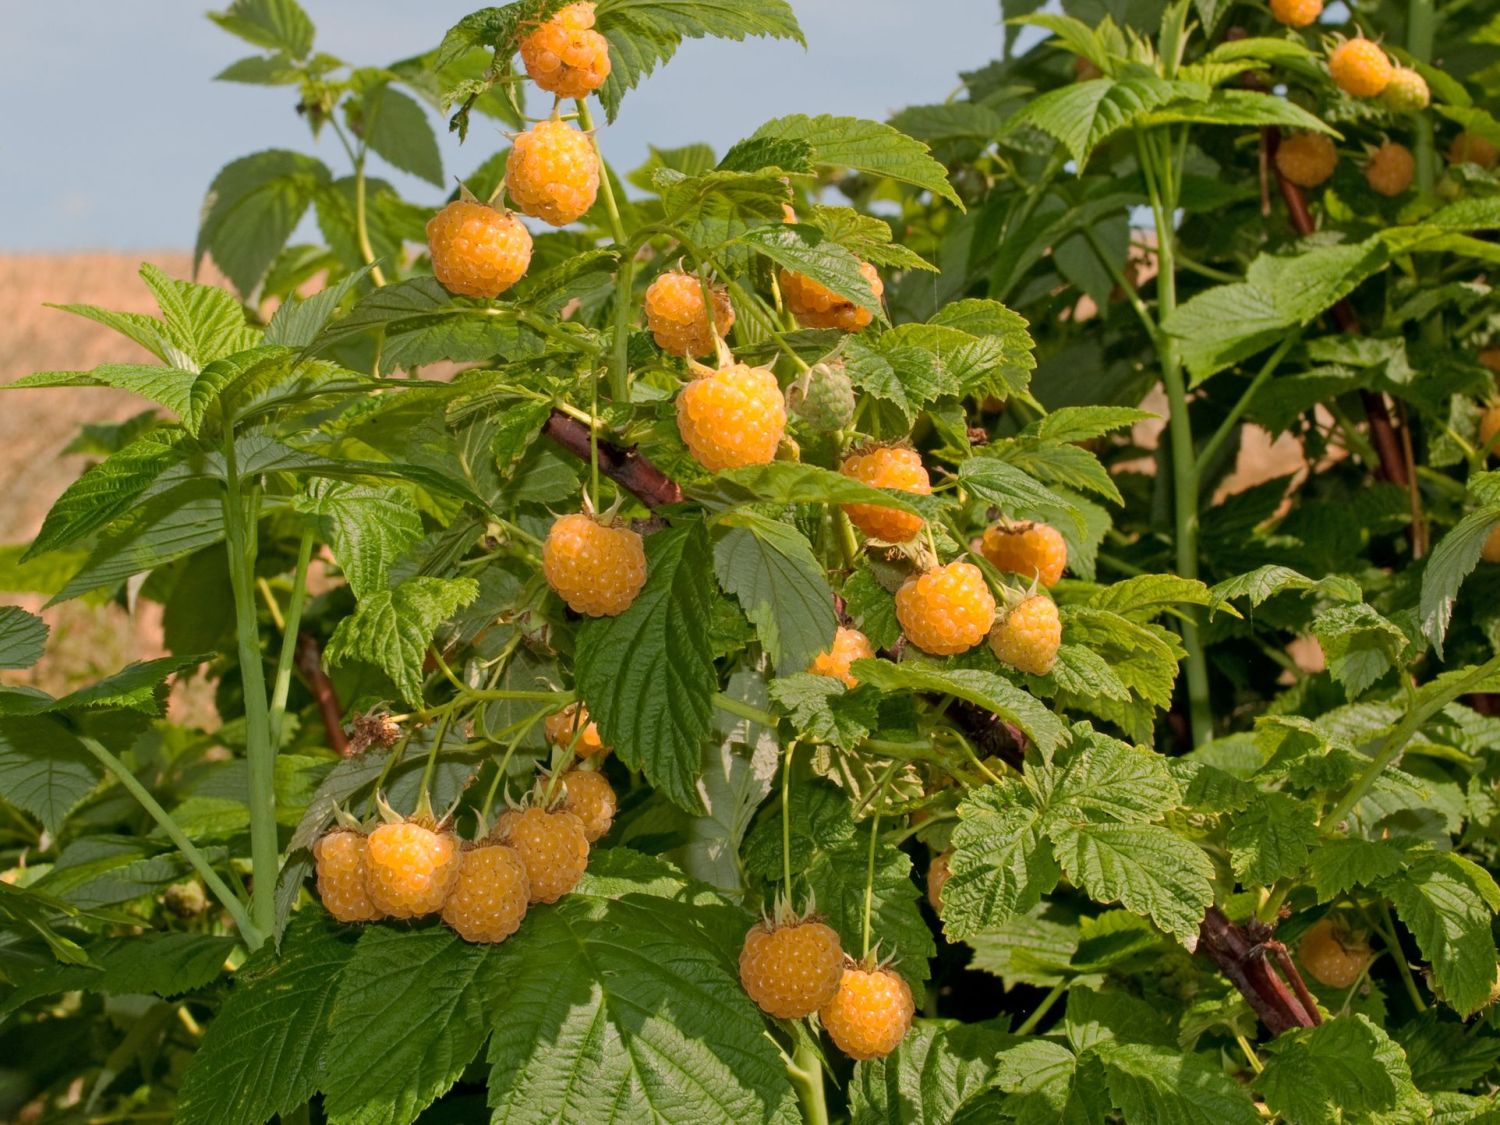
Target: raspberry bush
x,y
798,632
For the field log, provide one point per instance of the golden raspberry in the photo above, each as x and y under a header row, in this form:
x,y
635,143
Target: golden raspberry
x,y
1489,427
946,611
1032,550
476,250
870,1014
815,306
733,417
1306,159
1471,148
1332,956
887,467
849,645
674,313
1360,68
1407,92
553,173
340,861
597,569
410,869
552,845
1027,638
570,728
489,899
588,795
565,55
1391,169
1489,358
1296,13
1490,552
791,971
937,875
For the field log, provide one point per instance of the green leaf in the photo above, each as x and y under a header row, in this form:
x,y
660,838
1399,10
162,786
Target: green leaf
x,y
1149,1082
823,711
1343,1070
139,686
771,569
222,380
648,675
866,237
391,629
643,34
1147,596
1238,107
1082,115
106,490
1271,840
418,1005
280,25
1360,645
23,637
165,385
1265,582
368,527
44,770
870,147
163,964
1455,556
792,482
1108,778
1338,866
804,250
260,1056
251,209
987,690
1001,864
621,996
1146,868
396,127
1447,903
297,321
1016,492
939,1066
206,323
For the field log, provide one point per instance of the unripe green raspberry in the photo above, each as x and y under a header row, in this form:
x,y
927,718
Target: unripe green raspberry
x,y
823,398
1407,92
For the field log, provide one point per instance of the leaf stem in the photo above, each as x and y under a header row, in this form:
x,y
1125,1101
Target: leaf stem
x,y
806,1073
1211,448
1393,941
190,851
1420,21
260,750
745,711
292,623
864,941
361,222
1043,1007
786,820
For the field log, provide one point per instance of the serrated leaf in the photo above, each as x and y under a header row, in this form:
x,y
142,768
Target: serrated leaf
x,y
1001,863
613,997
1265,582
823,711
1338,866
260,1056
1107,778
221,380
1081,116
1271,840
871,606
392,628
1455,556
1447,903
23,637
139,686
648,675
866,146
1359,644
251,209
165,385
163,964
297,321
1146,596
1150,1082
1343,1070
1016,492
1237,107
205,322
280,25
806,251
792,482
770,568
368,527
44,770
987,690
1146,868
866,237
939,1066
396,127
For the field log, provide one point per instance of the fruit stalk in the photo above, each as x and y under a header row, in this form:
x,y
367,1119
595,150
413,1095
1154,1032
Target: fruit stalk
x,y
265,849
288,657
1420,24
806,1072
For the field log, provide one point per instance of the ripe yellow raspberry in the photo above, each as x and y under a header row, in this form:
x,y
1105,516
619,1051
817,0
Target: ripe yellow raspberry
x,y
1471,148
489,900
588,795
1332,956
552,845
1028,636
410,869
1391,169
937,875
565,55
1407,92
570,728
598,569
1032,550
849,645
1296,13
1306,159
1360,67
553,173
732,417
870,1014
674,313
340,860
476,250
1489,358
946,611
1489,427
815,306
1490,552
791,971
887,467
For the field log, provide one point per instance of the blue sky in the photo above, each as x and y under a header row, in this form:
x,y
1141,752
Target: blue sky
x,y
111,128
